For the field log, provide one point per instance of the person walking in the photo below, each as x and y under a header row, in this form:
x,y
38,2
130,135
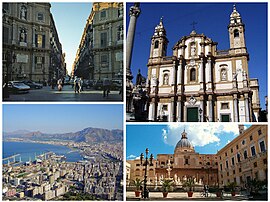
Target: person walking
x,y
76,85
81,84
106,87
59,82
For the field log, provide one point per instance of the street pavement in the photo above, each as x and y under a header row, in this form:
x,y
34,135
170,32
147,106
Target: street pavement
x,y
66,95
157,196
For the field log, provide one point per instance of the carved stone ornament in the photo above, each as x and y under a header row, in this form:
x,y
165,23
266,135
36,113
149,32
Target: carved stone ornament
x,y
192,100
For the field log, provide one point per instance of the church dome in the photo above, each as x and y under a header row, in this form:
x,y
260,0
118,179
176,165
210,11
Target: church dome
x,y
184,144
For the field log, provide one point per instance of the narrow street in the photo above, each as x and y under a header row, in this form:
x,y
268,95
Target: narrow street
x,y
66,95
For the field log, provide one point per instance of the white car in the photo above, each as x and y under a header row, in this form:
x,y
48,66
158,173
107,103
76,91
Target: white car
x,y
18,87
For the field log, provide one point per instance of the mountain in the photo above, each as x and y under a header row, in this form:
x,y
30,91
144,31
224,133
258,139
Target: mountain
x,y
89,135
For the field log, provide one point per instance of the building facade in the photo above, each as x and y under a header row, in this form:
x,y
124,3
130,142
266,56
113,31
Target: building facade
x,y
245,158
185,163
29,43
100,54
199,82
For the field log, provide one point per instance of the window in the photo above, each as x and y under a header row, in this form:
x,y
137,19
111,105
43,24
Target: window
x,y
237,146
103,39
193,74
262,146
6,6
245,154
221,167
138,164
156,44
231,150
240,170
225,153
264,161
5,34
236,33
103,59
120,33
233,171
243,142
103,14
39,60
228,173
223,74
186,161
227,164
40,41
40,17
250,138
259,132
255,164
165,79
238,157
165,107
225,105
232,161
253,151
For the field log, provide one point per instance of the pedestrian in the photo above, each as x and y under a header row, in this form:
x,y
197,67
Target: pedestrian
x,y
81,84
59,82
106,87
76,85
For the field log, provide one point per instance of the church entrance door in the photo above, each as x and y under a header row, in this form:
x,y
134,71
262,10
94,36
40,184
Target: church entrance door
x,y
225,118
192,114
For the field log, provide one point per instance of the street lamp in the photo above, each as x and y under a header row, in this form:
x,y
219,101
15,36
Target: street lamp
x,y
200,112
145,162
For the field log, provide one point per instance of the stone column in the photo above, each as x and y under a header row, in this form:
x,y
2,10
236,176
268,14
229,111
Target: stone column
x,y
210,108
247,107
134,12
13,41
209,73
235,107
179,110
201,116
110,34
172,110
33,36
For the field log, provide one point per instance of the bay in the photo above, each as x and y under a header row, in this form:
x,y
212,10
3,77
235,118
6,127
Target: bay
x,y
28,151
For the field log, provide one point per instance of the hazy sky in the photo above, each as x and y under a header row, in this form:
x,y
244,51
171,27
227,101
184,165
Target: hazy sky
x,y
70,20
58,118
212,20
206,138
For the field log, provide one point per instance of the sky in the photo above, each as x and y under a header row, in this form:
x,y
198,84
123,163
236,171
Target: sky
x,y
206,139
70,19
61,118
212,20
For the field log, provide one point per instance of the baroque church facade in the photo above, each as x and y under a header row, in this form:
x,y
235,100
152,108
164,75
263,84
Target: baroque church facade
x,y
200,83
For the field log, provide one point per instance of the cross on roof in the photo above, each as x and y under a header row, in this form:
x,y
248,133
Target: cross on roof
x,y
193,24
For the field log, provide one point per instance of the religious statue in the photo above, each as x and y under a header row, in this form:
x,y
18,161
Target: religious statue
x,y
223,75
139,78
23,12
193,49
22,36
166,79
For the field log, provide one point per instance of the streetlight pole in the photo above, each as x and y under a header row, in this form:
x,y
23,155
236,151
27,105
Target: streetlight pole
x,y
145,163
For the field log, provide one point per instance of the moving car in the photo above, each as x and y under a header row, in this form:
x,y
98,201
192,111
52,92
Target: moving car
x,y
18,87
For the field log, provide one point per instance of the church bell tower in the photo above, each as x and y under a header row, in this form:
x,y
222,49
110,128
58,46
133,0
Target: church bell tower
x,y
159,42
236,33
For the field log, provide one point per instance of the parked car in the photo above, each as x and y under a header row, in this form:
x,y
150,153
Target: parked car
x,y
116,84
98,85
18,87
87,83
32,84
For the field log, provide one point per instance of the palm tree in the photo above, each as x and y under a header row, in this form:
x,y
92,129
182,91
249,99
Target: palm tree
x,y
167,186
190,184
137,183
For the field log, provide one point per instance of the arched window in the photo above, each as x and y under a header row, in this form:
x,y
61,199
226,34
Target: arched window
x,y
137,172
156,44
193,74
165,79
236,33
223,74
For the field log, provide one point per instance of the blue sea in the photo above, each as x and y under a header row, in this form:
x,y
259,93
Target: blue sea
x,y
28,151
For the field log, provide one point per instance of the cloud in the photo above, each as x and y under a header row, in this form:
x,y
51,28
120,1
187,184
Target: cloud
x,y
198,134
131,157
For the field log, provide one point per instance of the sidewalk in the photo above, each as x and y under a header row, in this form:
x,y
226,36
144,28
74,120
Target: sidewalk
x,y
157,196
